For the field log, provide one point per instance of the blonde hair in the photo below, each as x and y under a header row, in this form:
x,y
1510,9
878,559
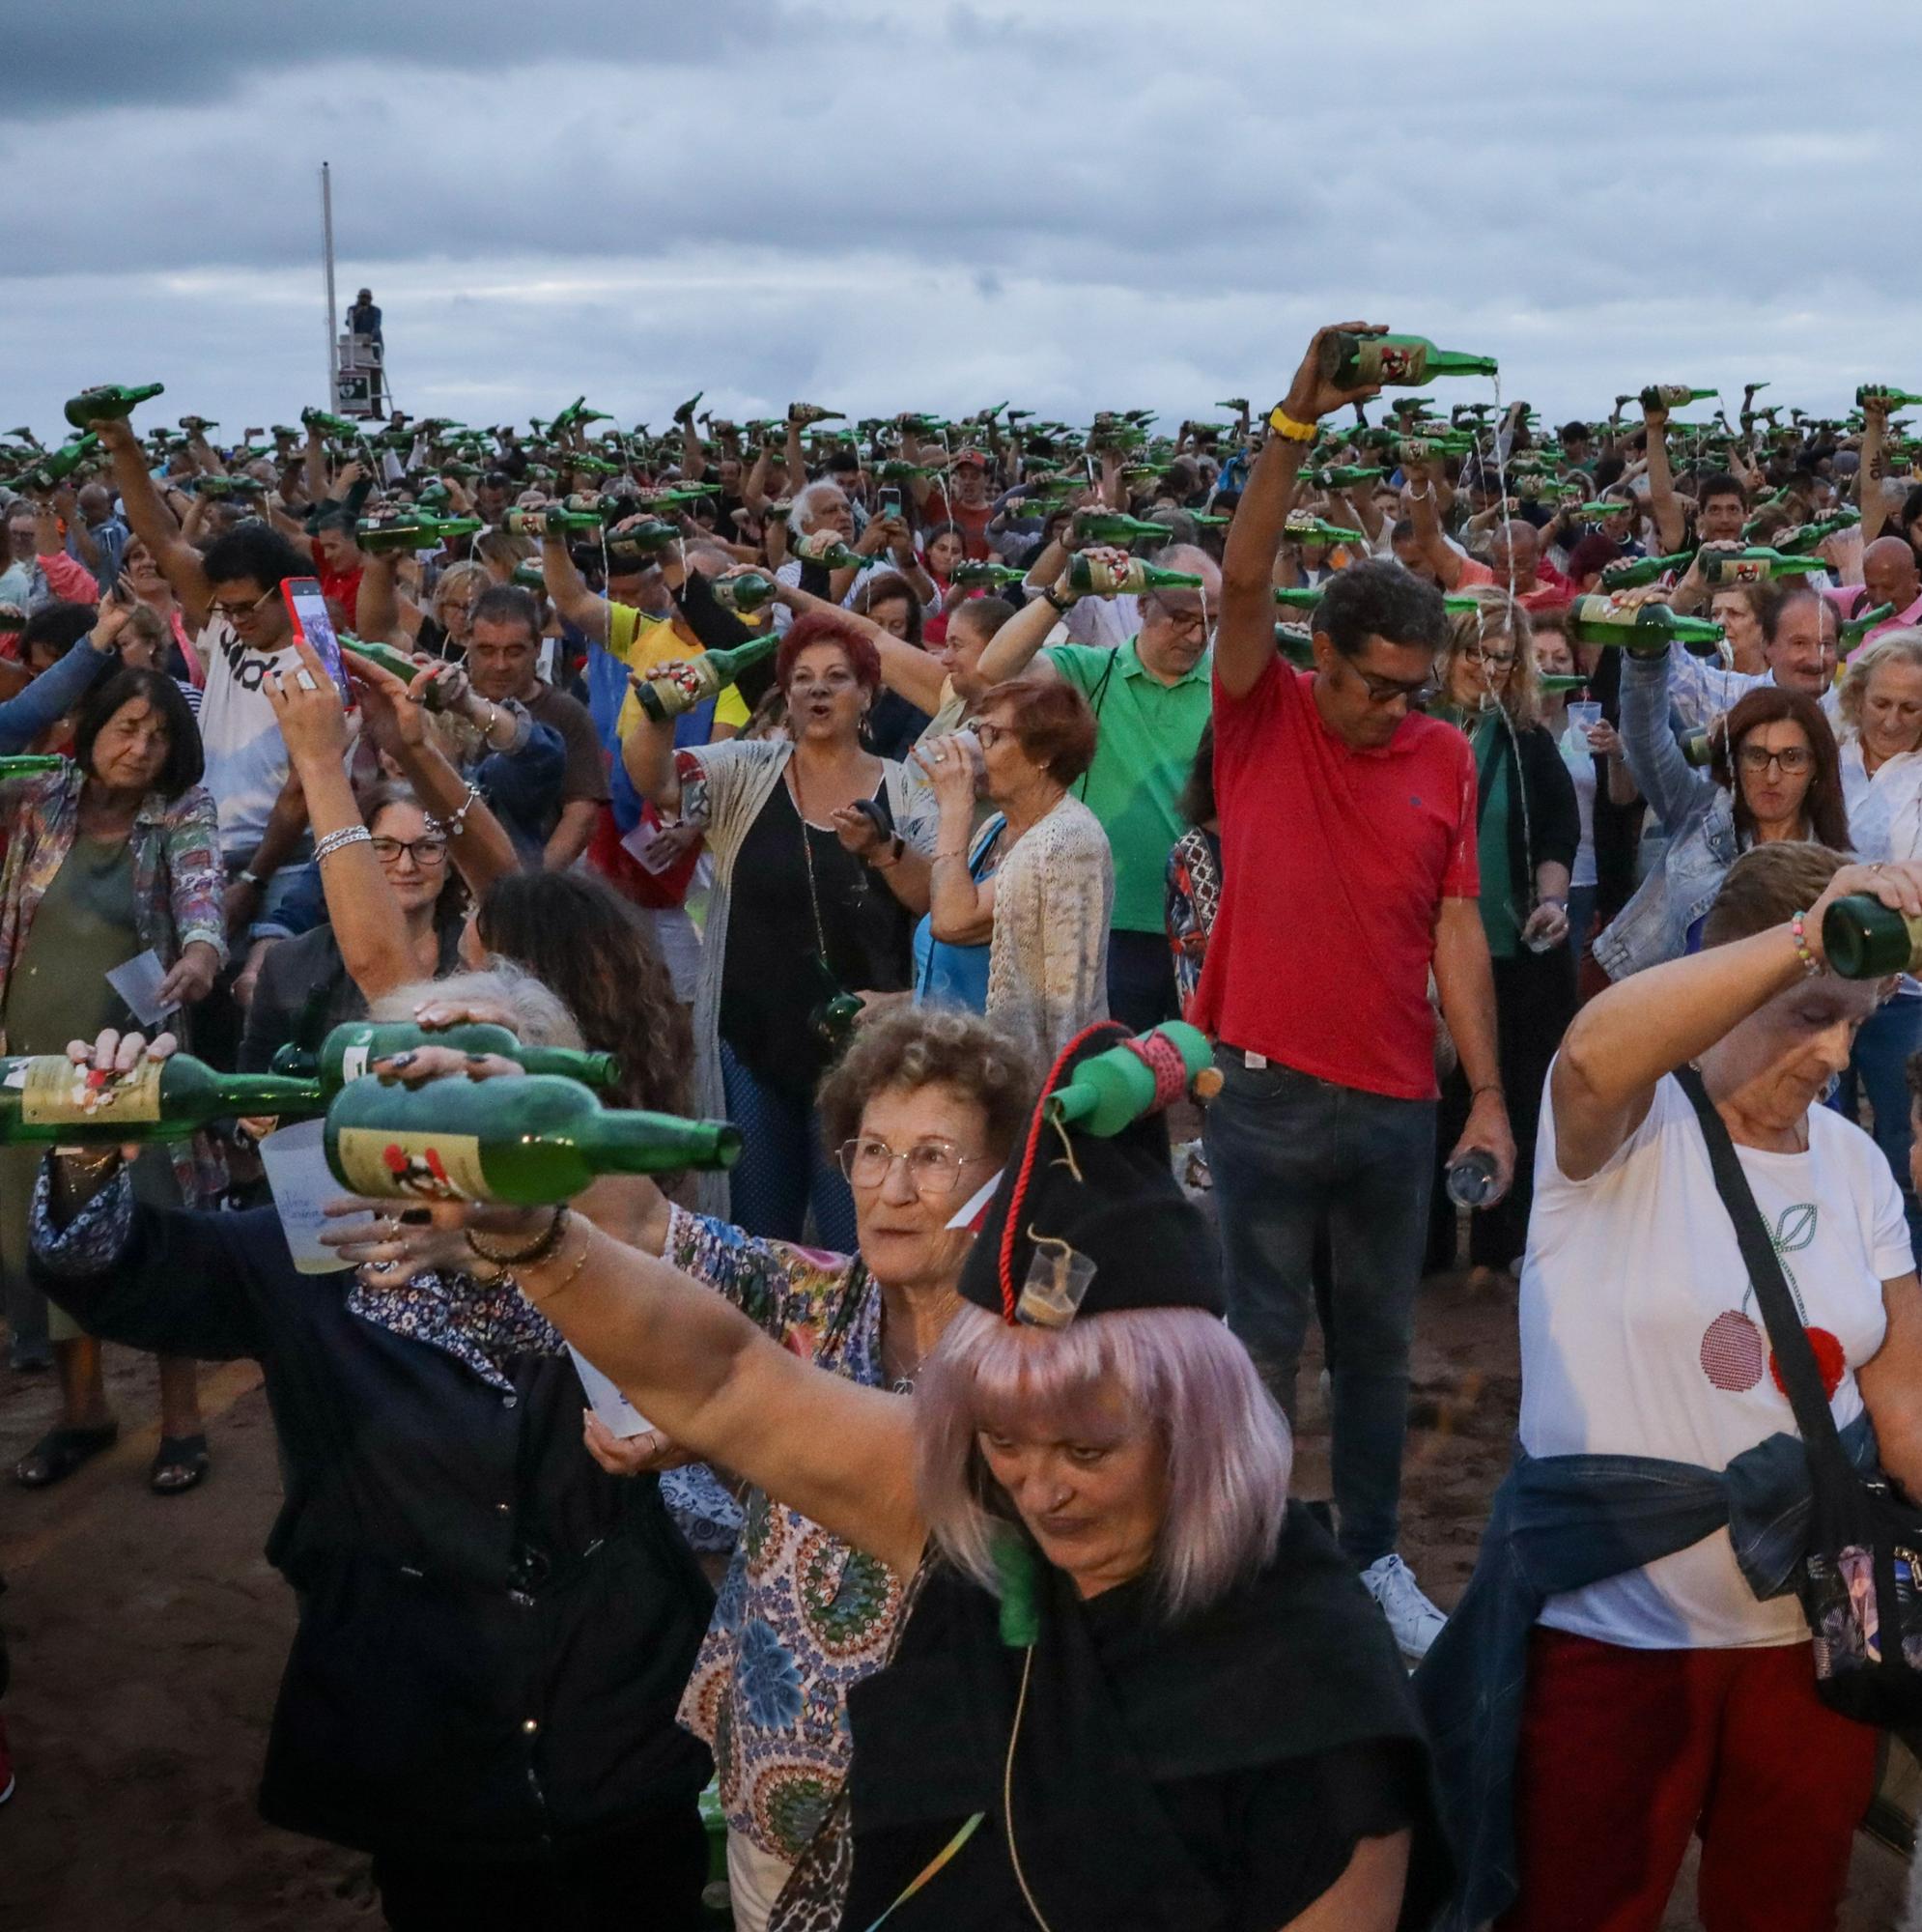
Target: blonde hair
x,y
1496,614
1904,646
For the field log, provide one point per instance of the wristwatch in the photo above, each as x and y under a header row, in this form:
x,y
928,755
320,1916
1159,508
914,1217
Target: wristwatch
x,y
1061,604
893,849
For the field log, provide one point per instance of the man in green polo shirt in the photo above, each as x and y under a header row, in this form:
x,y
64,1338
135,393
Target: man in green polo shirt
x,y
1150,697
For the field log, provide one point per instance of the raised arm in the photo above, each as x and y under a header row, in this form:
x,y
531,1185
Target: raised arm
x,y
1661,774
1869,491
366,920
1245,640
56,691
568,589
1641,1028
1010,652
905,668
1664,505
1425,513
151,522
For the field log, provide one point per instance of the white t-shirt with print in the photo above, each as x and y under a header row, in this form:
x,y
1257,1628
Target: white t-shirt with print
x,y
246,757
1640,1336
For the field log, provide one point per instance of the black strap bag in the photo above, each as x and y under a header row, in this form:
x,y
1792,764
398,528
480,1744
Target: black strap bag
x,y
1860,1580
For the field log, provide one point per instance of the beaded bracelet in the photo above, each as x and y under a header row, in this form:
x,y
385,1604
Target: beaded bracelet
x,y
457,823
1799,931
566,1282
546,1246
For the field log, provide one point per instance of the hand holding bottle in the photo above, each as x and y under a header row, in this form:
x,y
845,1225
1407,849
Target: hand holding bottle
x,y
1311,395
115,1055
1896,884
1115,559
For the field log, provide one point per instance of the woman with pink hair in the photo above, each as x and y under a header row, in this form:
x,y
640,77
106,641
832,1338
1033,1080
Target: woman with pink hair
x,y
1134,1684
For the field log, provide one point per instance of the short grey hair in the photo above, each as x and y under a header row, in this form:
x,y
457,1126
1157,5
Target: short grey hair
x,y
1899,646
540,1018
809,502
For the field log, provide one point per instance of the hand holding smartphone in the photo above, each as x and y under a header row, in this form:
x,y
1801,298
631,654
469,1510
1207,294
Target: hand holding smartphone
x,y
307,610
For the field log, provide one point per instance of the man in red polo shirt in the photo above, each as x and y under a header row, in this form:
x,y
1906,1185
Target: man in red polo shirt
x,y
1348,874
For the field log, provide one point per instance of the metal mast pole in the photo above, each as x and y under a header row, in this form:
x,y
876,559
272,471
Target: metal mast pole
x,y
326,262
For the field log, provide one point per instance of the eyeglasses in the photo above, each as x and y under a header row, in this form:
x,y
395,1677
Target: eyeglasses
x,y
1195,622
934,1167
430,849
1795,761
1386,690
991,735
1494,659
239,614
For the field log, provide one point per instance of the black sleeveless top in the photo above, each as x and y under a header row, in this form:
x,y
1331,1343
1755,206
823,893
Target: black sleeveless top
x,y
1209,1775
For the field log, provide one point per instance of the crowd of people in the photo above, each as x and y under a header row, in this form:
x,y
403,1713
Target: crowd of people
x,y
1477,789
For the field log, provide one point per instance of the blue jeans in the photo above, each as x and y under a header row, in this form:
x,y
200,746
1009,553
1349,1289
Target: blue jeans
x,y
1878,1066
783,1169
1289,1152
1140,979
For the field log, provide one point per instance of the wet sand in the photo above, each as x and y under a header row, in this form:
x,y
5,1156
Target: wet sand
x,y
148,1635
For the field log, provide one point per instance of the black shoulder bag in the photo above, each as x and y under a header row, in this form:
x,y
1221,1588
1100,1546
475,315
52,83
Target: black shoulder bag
x,y
1860,1580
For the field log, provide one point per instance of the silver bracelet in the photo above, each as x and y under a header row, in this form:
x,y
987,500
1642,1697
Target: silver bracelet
x,y
457,823
334,842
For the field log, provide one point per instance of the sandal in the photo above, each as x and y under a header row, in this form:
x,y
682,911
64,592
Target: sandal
x,y
60,1452
179,1465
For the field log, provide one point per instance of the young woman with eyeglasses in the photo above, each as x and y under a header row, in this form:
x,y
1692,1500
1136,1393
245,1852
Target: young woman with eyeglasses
x,y
1528,829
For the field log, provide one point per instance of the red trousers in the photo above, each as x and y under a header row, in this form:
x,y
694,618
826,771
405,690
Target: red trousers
x,y
1625,1753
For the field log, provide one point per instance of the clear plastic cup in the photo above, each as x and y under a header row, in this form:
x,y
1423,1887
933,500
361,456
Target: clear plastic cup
x,y
1582,713
302,1184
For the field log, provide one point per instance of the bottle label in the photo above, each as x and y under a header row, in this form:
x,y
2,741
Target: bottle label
x,y
1399,364
56,1093
385,1165
353,1063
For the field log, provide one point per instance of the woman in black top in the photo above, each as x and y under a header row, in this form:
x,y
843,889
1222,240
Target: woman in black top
x,y
494,1634
821,856
1135,1687
1528,828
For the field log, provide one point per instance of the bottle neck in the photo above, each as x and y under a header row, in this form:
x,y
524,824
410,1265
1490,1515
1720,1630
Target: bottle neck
x,y
631,1142
272,1094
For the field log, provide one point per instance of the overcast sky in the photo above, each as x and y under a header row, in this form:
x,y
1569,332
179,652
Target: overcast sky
x,y
919,205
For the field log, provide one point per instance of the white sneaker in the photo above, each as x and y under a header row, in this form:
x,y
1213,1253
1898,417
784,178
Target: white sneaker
x,y
1415,1621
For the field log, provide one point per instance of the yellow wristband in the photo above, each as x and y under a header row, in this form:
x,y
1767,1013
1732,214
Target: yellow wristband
x,y
1285,425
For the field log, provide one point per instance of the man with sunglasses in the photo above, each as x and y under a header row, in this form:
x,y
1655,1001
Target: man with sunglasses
x,y
1349,876
1150,697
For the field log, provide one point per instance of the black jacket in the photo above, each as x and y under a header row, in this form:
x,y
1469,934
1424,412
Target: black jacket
x,y
1550,829
493,1635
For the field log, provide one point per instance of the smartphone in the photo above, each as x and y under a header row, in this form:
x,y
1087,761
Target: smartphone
x,y
887,504
307,610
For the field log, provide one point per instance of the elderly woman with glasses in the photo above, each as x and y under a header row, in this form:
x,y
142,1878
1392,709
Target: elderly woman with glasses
x,y
922,1111
1528,829
1035,885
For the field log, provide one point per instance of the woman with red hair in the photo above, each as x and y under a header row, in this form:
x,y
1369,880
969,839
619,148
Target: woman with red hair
x,y
820,855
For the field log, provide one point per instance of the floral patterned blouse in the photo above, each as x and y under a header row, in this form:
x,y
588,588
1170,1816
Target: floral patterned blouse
x,y
800,1615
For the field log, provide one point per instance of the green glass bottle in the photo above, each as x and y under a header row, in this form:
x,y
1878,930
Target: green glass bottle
x,y
215,488
56,465
348,1052
1111,1090
805,414
1673,396
403,666
1342,477
1296,643
1698,747
1856,629
111,402
1801,538
1393,361
976,575
646,538
1297,598
383,535
550,521
1431,449
530,1140
1601,507
29,765
530,576
1111,526
1631,571
1867,940
1313,530
1754,565
743,594
1644,629
1555,684
1877,392
48,1098
701,678
1092,577
823,547
329,425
